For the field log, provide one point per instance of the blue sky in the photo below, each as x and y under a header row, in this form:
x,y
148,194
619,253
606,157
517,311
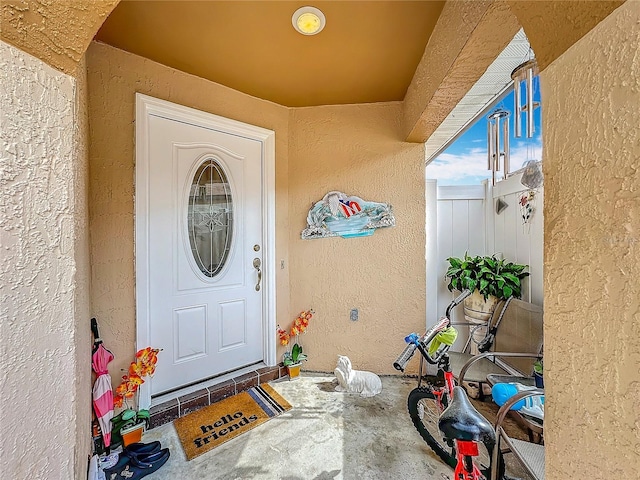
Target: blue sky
x,y
465,161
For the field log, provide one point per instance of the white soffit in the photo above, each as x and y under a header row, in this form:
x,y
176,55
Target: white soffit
x,y
490,88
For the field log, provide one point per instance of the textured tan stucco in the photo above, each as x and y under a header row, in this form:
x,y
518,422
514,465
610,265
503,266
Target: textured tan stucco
x,y
44,334
82,332
591,106
553,26
365,139
58,32
357,150
114,78
465,41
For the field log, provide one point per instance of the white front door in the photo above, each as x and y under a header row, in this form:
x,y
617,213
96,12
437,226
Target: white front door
x,y
203,277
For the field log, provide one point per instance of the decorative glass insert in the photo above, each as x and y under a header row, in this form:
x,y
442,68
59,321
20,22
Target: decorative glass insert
x,y
210,218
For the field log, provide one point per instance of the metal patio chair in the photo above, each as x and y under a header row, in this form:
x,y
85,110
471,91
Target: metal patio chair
x,y
530,455
514,340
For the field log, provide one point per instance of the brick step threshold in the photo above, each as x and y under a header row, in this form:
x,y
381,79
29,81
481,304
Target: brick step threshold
x,y
168,411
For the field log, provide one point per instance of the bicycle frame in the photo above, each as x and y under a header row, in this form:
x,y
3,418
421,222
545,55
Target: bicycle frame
x,y
466,468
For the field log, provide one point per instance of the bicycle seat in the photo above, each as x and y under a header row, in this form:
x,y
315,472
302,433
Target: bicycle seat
x,y
461,421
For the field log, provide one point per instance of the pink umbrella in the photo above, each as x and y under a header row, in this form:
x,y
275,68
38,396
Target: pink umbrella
x,y
102,393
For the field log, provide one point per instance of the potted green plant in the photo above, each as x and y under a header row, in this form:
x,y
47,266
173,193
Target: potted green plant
x,y
488,275
490,280
292,359
129,425
538,371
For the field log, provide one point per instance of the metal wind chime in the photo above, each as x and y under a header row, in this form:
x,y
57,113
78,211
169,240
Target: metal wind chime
x,y
498,120
524,73
498,151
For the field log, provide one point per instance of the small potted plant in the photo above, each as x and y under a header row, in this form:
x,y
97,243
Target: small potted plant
x,y
292,359
538,371
129,425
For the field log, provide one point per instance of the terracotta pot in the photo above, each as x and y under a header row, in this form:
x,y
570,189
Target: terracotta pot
x,y
132,434
294,370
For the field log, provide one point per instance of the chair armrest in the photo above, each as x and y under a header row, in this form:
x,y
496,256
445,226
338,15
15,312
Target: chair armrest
x,y
470,362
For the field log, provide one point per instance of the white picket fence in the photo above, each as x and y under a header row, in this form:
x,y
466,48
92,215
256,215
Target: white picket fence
x,y
463,219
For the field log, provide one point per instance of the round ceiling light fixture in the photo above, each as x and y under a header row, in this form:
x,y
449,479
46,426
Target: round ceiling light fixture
x,y
308,20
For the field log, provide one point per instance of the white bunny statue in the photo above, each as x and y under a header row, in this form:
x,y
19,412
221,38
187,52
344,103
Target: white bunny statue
x,y
367,384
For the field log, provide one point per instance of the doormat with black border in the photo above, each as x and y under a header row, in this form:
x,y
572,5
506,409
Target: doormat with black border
x,y
211,426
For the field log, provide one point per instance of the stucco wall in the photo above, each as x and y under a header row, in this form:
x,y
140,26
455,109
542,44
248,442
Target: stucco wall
x,y
553,26
44,345
591,104
114,77
57,32
591,157
465,41
82,331
357,149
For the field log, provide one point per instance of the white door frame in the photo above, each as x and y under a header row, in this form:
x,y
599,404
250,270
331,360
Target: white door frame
x,y
146,107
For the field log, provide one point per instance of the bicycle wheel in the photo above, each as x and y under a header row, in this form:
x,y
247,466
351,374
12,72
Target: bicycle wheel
x,y
425,410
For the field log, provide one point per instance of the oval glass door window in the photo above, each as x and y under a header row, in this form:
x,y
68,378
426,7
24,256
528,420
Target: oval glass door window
x,y
210,218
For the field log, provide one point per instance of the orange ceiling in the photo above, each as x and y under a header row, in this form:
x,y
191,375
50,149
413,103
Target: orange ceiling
x,y
368,51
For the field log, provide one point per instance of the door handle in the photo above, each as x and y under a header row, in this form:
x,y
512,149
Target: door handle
x,y
256,265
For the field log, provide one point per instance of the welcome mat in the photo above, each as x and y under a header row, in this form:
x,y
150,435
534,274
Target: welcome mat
x,y
211,426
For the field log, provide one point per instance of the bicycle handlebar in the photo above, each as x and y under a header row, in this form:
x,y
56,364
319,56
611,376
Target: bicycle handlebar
x,y
405,356
421,343
414,342
457,301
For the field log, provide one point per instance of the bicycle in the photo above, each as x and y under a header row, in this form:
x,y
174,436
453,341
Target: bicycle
x,y
442,414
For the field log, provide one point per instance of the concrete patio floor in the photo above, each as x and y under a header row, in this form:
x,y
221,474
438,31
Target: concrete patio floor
x,y
326,435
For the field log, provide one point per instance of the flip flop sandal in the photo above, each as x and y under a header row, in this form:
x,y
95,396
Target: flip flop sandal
x,y
135,449
141,466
